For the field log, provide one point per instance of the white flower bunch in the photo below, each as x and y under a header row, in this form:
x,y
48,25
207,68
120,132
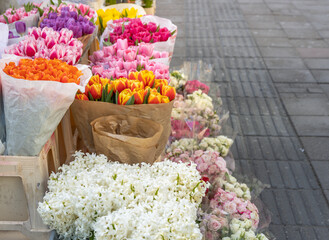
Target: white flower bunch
x,y
120,201
177,80
184,144
219,144
230,184
242,230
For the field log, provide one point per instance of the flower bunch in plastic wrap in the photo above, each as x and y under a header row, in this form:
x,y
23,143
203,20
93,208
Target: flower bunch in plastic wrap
x,y
12,14
78,24
136,32
118,60
198,107
123,201
178,81
81,9
49,44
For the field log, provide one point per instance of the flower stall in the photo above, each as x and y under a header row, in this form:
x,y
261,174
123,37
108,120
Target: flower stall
x,y
150,158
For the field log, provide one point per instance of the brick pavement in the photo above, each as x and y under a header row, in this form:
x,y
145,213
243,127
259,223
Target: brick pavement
x,y
271,59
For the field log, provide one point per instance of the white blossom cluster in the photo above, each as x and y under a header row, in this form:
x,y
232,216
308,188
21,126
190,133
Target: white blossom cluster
x,y
230,184
120,201
177,80
219,144
243,230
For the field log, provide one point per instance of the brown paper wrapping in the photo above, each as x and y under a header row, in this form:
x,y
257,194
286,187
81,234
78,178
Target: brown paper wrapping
x,y
84,112
127,139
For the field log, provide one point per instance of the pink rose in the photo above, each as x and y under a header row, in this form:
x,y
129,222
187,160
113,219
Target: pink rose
x,y
214,224
229,207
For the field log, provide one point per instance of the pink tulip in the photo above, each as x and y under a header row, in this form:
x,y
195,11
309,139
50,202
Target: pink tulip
x,y
50,41
120,73
129,55
164,54
110,50
65,35
30,49
120,53
146,49
122,44
109,73
36,32
130,65
161,74
156,54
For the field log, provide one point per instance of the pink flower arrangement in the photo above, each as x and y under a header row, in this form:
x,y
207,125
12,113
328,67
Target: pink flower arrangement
x,y
47,43
12,15
187,129
194,85
135,31
227,203
209,163
80,9
118,60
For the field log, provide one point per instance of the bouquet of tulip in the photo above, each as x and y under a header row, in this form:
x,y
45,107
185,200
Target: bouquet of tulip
x,y
12,15
114,14
109,200
47,43
78,24
136,32
36,95
219,144
118,60
43,69
81,9
139,88
160,32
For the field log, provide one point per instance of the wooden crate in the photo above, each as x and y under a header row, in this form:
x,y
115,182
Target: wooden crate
x,y
23,183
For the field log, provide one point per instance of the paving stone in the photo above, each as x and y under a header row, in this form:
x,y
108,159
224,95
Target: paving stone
x,y
321,76
278,52
327,194
268,33
302,33
307,106
284,63
272,42
311,125
263,25
316,147
313,52
325,88
308,43
293,233
314,63
322,170
291,75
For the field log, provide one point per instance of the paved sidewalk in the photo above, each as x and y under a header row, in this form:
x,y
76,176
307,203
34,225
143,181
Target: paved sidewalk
x,y
271,59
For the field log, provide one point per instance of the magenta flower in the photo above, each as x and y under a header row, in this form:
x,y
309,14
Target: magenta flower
x,y
20,27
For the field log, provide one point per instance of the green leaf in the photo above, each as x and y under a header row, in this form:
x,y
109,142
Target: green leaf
x,y
86,12
59,3
158,28
136,42
91,97
147,96
173,32
40,11
5,17
158,89
139,68
101,23
152,41
112,79
109,97
107,43
51,2
123,27
117,97
131,100
153,84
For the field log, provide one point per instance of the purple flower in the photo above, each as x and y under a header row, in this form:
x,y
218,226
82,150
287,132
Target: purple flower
x,y
11,35
20,27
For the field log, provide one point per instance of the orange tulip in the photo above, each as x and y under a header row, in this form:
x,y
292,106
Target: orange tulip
x,y
94,80
124,96
164,99
133,76
147,77
154,98
96,90
133,84
120,84
169,91
82,96
139,96
159,83
104,81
